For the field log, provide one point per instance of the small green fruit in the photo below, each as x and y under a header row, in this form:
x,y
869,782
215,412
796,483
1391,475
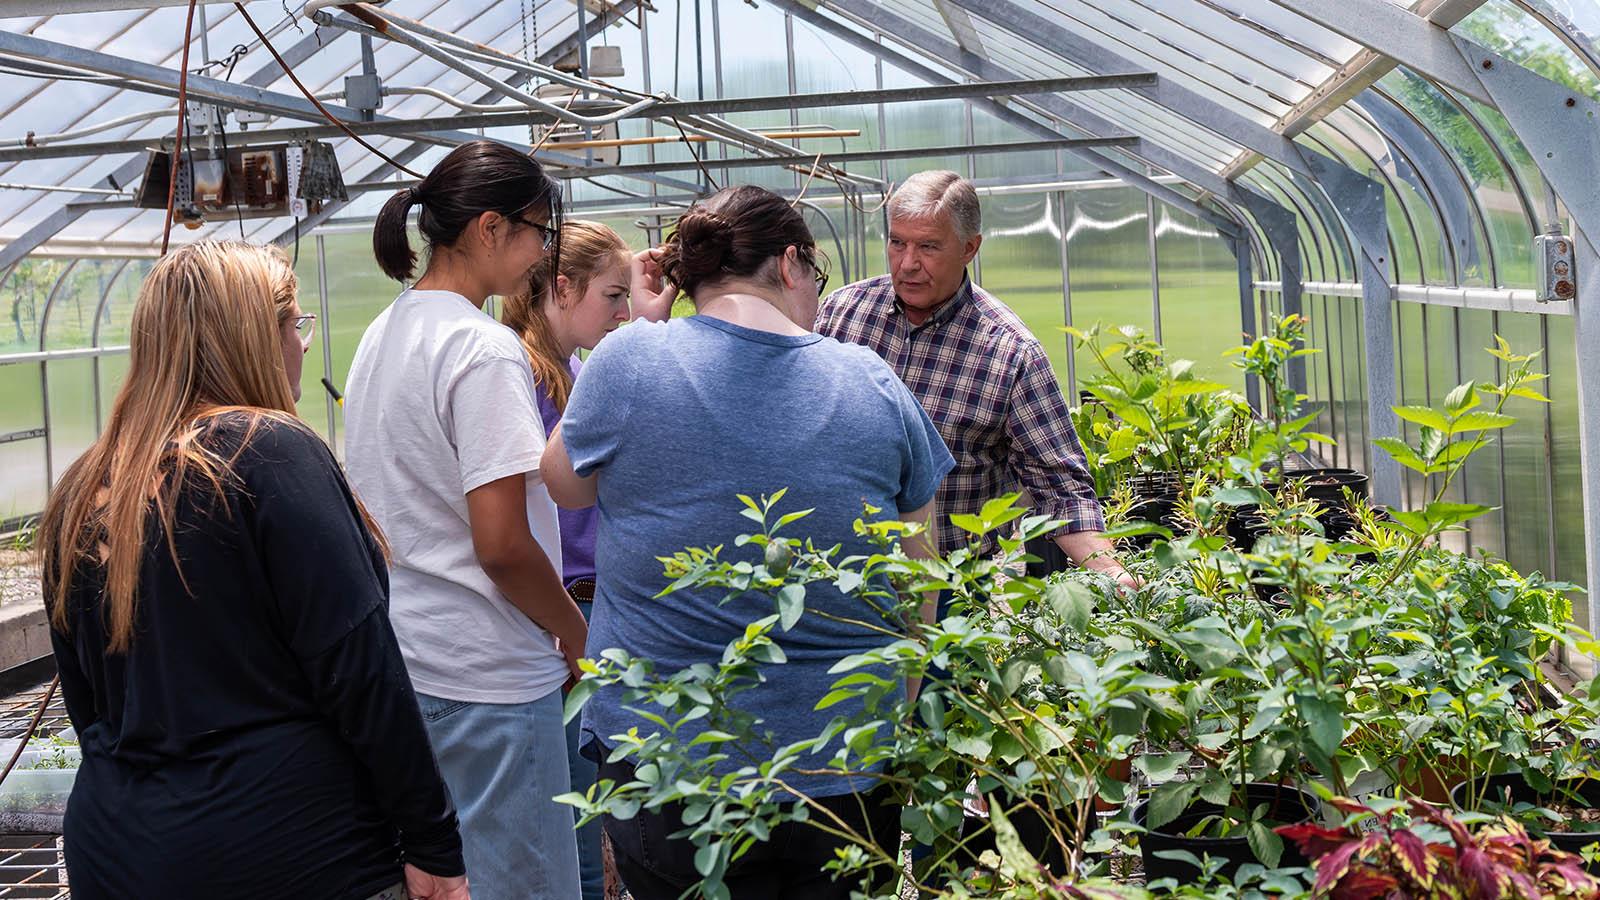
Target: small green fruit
x,y
779,556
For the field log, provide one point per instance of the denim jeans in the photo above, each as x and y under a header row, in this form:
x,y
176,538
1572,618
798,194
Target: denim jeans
x,y
504,762
581,769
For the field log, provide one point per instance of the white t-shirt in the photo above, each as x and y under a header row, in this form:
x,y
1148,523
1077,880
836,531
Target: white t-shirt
x,y
440,401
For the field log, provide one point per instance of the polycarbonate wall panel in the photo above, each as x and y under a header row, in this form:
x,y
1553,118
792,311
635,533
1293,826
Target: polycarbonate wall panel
x,y
1321,386
1481,476
1199,294
1109,251
1570,540
1022,266
1412,368
72,416
22,479
72,315
1528,542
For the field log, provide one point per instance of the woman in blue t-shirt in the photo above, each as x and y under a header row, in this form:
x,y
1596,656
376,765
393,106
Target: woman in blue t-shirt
x,y
668,423
574,299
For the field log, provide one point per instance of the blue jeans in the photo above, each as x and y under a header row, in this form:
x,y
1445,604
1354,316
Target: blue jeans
x,y
504,762
581,770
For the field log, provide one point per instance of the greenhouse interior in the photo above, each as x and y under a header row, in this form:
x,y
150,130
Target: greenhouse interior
x,y
1313,266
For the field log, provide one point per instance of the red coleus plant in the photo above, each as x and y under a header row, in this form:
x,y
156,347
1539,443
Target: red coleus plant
x,y
1498,860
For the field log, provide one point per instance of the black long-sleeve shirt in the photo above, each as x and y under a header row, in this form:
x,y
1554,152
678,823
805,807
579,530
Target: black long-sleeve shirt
x,y
260,739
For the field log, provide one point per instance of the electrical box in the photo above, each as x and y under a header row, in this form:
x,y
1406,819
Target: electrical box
x,y
1555,266
363,92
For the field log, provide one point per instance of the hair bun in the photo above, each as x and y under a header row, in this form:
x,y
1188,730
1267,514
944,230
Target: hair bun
x,y
705,241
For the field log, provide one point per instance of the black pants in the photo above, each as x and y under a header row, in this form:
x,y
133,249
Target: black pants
x,y
788,865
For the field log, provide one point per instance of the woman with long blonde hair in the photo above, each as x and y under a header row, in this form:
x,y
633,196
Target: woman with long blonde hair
x,y
218,613
573,301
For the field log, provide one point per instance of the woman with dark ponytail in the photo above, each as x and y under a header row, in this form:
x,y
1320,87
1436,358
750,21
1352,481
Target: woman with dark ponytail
x,y
443,445
668,422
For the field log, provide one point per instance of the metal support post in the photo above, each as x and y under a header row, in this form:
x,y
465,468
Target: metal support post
x,y
1360,202
326,314
1278,224
1247,310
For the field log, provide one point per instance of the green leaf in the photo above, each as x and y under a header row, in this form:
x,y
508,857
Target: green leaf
x,y
1072,601
968,523
578,696
1168,801
1011,677
1239,496
1481,420
1424,415
1463,398
1266,845
1324,721
1443,514
838,695
792,517
1402,453
976,746
1015,860
791,605
705,859
1162,767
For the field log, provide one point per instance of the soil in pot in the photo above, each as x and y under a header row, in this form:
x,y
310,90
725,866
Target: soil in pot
x,y
1578,803
1286,805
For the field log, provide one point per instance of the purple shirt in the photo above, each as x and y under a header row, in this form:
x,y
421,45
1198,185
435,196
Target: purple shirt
x,y
577,525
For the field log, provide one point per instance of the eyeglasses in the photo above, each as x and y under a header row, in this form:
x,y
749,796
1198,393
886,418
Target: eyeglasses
x,y
305,327
809,257
546,231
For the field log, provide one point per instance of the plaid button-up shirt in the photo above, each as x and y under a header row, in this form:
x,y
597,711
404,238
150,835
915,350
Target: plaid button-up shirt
x,y
987,384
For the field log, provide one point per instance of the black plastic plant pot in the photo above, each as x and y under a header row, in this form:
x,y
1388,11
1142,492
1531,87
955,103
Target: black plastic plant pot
x,y
1155,484
1497,792
1326,486
1286,806
1032,830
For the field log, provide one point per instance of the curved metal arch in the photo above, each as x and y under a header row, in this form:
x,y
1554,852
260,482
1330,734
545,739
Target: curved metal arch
x,y
1340,239
1316,237
1429,192
1513,175
1388,180
94,341
1456,167
50,302
1415,182
1321,214
1582,45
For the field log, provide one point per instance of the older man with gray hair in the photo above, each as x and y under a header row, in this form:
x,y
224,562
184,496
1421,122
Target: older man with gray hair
x,y
979,373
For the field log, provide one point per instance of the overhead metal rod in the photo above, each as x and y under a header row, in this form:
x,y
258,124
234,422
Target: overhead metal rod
x,y
19,8
240,96
439,127
832,159
919,94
